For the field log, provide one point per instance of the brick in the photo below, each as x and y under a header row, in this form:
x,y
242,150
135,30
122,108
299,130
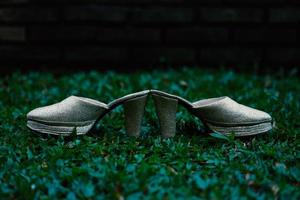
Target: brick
x,y
122,2
96,12
255,1
135,14
93,34
196,34
5,2
230,55
22,53
96,53
230,14
12,33
159,55
283,55
28,14
266,35
162,14
285,15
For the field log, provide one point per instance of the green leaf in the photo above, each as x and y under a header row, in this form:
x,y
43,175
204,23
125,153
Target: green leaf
x,y
29,154
199,182
71,196
88,190
219,136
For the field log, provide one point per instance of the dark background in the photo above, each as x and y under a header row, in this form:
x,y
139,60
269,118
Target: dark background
x,y
119,34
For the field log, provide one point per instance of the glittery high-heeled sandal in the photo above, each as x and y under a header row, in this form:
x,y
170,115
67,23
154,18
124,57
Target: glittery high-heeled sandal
x,y
222,115
80,114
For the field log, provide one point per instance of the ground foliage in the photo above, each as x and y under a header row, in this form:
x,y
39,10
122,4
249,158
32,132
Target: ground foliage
x,y
108,164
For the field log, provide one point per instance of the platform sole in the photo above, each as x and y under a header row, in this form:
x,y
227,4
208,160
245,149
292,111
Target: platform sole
x,y
59,130
241,130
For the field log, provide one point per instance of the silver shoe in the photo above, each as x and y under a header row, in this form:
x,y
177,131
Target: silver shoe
x,y
222,115
81,114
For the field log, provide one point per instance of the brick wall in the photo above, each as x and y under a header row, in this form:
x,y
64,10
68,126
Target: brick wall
x,y
110,33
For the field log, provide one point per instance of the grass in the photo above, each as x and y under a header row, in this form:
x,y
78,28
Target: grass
x,y
107,164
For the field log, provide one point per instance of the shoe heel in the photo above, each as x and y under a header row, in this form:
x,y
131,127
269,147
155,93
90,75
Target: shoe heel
x,y
134,112
166,109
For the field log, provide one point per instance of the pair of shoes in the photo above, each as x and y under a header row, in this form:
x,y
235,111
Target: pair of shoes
x,y
222,115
